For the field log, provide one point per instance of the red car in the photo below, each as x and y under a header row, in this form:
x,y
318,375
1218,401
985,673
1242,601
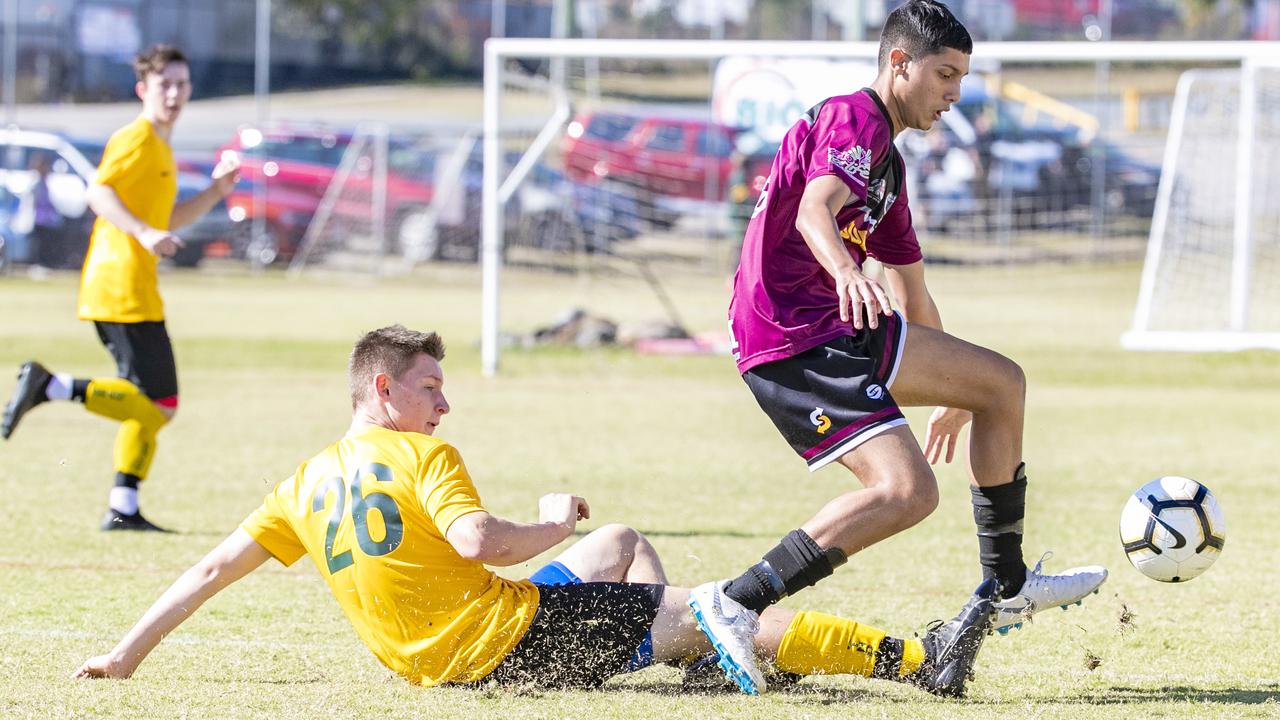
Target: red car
x,y
659,155
295,167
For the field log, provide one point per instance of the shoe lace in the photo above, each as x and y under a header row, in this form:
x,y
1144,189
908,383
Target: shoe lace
x,y
1040,563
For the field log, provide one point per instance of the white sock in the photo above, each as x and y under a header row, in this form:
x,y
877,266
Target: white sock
x,y
59,387
123,500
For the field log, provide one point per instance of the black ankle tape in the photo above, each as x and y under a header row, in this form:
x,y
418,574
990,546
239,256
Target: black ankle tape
x,y
800,562
998,512
888,659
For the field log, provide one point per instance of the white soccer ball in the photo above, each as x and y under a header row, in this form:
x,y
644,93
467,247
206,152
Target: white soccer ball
x,y
1172,529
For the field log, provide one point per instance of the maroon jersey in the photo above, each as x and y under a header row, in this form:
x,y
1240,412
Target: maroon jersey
x,y
784,302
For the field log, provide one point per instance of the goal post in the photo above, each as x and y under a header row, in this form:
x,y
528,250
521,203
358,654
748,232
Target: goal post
x,y
504,170
1208,283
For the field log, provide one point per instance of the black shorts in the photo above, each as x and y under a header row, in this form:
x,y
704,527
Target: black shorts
x,y
581,635
829,399
144,356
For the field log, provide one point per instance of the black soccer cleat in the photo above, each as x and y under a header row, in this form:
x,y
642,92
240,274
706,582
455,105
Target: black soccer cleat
x,y
33,378
116,520
951,647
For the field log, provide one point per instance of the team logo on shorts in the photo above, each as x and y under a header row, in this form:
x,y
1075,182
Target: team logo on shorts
x,y
875,392
820,421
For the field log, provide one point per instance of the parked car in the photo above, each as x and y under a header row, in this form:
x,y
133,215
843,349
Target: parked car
x,y
293,166
657,156
70,173
548,212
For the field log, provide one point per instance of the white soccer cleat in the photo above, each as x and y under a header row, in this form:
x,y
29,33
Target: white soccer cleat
x,y
731,628
1040,592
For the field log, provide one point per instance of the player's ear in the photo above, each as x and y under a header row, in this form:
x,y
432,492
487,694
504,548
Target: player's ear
x,y
382,385
898,59
140,89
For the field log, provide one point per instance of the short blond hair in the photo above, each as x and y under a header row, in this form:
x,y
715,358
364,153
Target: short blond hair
x,y
391,350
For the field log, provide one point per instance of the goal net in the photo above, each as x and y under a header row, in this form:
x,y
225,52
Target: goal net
x,y
1209,282
653,152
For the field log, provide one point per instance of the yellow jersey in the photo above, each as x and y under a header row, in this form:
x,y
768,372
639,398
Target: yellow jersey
x,y
118,282
372,511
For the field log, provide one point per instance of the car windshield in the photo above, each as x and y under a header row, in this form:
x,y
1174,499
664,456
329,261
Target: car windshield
x,y
326,150
609,128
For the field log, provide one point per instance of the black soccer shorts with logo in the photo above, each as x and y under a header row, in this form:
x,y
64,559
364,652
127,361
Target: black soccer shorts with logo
x,y
832,398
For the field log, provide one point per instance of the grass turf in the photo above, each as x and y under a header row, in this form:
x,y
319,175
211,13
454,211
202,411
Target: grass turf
x,y
673,446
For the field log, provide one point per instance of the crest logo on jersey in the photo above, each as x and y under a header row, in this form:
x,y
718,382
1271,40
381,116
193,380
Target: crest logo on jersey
x,y
820,421
855,163
852,234
875,392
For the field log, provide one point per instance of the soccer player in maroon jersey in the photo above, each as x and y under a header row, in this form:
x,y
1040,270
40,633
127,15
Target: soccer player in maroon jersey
x,y
830,362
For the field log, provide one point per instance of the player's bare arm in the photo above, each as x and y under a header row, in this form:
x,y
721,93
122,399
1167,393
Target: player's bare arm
x,y
816,220
497,541
234,558
107,204
912,293
225,176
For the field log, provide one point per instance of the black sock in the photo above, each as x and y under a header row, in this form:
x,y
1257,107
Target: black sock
x,y
79,388
127,480
794,564
998,513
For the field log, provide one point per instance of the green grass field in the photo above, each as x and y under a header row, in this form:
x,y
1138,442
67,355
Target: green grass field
x,y
673,446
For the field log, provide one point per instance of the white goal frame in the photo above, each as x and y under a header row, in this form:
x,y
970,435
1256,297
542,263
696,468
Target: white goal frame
x,y
1237,336
497,51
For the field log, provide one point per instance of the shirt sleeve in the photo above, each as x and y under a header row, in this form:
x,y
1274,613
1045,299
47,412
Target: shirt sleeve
x,y
121,158
445,488
894,240
269,527
843,146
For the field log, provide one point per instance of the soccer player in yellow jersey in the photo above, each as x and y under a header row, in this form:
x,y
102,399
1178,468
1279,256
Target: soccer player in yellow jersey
x,y
392,521
133,195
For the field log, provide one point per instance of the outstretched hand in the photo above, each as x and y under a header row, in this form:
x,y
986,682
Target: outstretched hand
x,y
101,666
944,430
227,173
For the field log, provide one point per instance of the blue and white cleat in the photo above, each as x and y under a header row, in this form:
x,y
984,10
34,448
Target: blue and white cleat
x,y
1040,592
731,629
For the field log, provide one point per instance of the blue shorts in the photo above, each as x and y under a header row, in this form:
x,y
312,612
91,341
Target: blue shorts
x,y
555,573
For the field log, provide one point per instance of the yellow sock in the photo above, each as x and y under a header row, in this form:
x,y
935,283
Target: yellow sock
x,y
140,420
821,644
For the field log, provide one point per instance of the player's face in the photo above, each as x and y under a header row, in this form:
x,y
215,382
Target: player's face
x,y
415,402
165,93
932,85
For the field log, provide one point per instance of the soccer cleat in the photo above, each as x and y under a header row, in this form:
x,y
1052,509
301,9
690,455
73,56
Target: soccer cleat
x,y
951,647
1040,592
116,520
703,674
731,628
33,378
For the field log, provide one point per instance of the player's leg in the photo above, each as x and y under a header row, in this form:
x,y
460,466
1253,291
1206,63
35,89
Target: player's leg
x,y
612,553
810,643
833,404
939,369
142,399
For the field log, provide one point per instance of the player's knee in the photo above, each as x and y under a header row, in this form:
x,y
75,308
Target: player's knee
x,y
1006,385
168,407
621,536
